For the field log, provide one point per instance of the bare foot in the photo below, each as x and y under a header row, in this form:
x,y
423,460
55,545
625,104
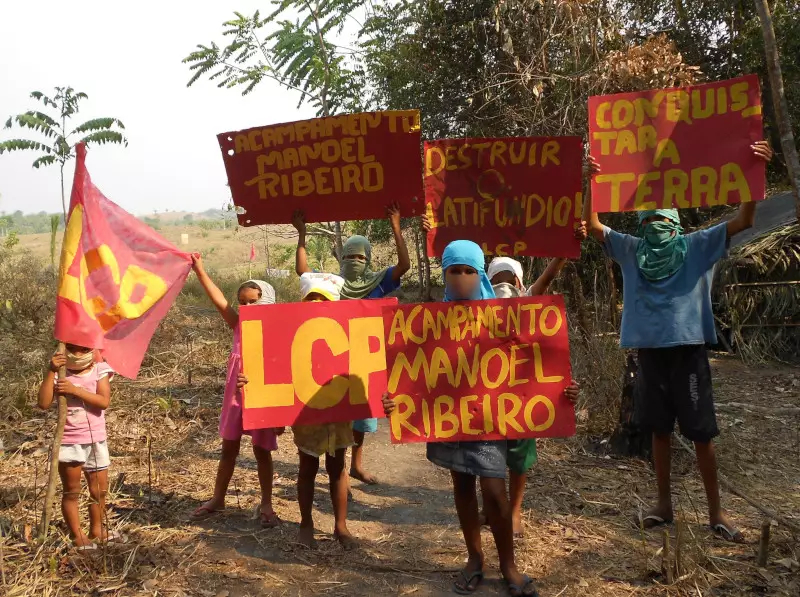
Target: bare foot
x,y
105,536
82,541
305,537
656,517
347,540
208,510
363,476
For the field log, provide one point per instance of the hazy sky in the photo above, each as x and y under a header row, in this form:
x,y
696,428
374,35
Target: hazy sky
x,y
127,58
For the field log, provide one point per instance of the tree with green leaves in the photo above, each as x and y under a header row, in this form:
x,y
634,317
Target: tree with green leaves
x,y
299,55
58,145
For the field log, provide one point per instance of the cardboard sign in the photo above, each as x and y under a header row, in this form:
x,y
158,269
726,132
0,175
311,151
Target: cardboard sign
x,y
347,167
514,196
681,147
479,370
309,363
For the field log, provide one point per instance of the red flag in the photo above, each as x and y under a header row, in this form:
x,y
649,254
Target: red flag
x,y
118,278
252,252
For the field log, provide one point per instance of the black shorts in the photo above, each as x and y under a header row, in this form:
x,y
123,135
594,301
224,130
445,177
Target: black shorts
x,y
675,383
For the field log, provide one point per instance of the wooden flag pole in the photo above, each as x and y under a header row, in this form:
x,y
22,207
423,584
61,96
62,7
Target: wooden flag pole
x,y
52,478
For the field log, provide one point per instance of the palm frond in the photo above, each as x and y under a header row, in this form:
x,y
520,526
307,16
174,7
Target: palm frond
x,y
23,145
97,124
103,137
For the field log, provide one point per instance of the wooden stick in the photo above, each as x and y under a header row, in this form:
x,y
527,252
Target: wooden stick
x,y
730,486
47,512
786,283
781,410
666,564
678,547
763,544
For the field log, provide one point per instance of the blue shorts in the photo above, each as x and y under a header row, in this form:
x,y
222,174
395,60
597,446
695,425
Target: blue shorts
x,y
366,425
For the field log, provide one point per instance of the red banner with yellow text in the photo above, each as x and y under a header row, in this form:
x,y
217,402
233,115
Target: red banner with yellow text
x,y
117,278
310,363
479,370
513,196
681,147
346,167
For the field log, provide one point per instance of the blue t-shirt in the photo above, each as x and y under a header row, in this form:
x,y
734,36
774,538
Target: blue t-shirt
x,y
674,311
386,285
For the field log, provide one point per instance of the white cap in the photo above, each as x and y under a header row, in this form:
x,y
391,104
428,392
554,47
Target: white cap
x,y
328,285
505,264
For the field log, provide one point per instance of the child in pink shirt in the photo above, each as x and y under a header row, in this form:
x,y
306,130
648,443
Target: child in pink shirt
x,y
252,292
83,447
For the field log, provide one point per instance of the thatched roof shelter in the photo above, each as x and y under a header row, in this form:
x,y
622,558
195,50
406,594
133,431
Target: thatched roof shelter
x,y
757,288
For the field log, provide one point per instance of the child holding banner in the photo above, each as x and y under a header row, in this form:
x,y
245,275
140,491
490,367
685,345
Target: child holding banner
x,y
466,279
252,292
505,275
360,282
667,315
83,446
331,439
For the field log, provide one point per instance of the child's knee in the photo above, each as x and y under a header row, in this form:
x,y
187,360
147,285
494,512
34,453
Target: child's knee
x,y
230,449
70,496
334,465
262,456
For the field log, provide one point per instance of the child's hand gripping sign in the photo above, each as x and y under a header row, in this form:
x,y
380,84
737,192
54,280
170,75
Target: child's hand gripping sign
x,y
313,362
479,370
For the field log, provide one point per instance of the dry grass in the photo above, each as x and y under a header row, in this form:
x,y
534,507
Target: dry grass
x,y
578,509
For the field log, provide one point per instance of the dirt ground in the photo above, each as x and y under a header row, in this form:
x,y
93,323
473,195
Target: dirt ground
x,y
578,509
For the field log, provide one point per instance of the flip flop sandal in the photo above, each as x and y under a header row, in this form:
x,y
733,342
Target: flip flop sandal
x,y
113,537
468,588
269,520
733,535
519,590
656,519
203,513
85,548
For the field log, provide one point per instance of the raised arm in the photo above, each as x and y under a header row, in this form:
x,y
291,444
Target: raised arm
x,y
549,274
746,216
301,258
403,261
214,293
593,225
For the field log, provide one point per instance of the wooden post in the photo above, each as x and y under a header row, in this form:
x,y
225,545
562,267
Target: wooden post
x,y
763,544
779,101
52,479
666,563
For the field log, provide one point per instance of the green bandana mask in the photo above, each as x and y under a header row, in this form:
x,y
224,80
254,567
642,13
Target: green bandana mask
x,y
359,280
662,249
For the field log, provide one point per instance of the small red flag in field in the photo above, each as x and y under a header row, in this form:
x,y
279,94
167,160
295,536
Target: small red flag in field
x,y
118,277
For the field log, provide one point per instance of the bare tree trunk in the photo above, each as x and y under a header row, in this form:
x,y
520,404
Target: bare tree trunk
x,y
779,100
612,294
52,479
337,227
63,199
578,300
420,272
426,268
